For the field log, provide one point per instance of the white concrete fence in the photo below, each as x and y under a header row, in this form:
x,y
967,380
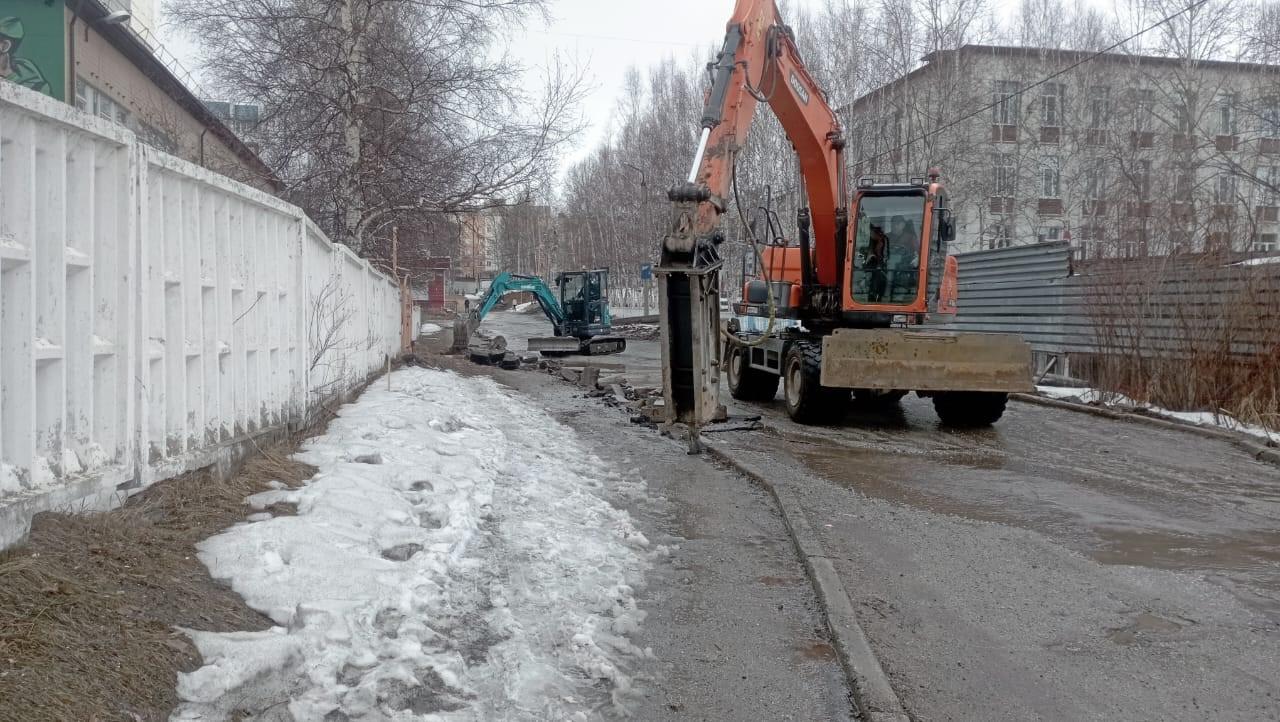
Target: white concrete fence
x,y
154,316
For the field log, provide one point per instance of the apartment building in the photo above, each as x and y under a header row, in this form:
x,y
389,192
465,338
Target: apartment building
x,y
1123,155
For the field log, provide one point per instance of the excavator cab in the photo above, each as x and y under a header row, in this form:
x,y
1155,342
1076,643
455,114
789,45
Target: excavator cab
x,y
584,296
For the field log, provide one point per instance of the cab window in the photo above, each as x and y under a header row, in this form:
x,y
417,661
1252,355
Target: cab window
x,y
886,260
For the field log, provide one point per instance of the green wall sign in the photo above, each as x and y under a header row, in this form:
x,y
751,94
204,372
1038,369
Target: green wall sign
x,y
32,40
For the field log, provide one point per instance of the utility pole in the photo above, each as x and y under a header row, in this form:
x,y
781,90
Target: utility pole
x,y
645,284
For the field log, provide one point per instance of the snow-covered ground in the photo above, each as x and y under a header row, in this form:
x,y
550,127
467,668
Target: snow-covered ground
x,y
428,329
1199,418
454,555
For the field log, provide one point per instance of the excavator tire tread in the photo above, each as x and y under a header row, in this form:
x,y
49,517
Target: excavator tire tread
x,y
818,404
751,384
970,409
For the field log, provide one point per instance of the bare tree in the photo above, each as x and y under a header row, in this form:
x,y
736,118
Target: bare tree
x,y
389,110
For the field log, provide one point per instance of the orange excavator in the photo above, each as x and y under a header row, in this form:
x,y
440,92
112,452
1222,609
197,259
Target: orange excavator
x,y
838,314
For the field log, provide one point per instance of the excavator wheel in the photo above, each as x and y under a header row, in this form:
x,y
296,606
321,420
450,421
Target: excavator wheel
x,y
746,383
808,401
969,409
877,398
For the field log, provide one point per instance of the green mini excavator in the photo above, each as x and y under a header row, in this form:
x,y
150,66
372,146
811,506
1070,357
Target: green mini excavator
x,y
580,317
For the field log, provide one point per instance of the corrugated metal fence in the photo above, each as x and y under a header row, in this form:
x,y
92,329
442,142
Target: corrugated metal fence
x,y
1168,306
153,313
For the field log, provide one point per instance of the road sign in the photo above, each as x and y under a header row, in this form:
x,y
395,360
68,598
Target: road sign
x,y
646,271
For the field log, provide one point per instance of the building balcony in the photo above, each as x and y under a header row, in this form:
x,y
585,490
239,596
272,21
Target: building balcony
x,y
1226,143
1095,137
1267,214
1050,135
1142,139
1270,146
1049,207
1001,204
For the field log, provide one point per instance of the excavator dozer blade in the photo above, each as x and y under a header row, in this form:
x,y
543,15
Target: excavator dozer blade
x,y
555,345
926,360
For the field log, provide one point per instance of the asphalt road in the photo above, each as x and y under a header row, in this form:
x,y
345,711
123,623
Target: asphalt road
x,y
1057,566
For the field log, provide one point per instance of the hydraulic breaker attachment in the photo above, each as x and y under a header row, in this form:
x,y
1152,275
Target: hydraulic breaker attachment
x,y
689,316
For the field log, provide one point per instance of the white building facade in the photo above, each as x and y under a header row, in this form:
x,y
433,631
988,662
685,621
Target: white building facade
x,y
1122,155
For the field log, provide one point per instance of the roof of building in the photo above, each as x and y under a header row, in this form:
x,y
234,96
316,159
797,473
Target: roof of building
x,y
127,42
932,61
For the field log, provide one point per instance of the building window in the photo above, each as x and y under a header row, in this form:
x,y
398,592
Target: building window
x,y
1142,179
156,138
1005,102
1266,243
1048,234
1187,113
91,100
1052,103
1095,180
1080,245
1144,110
1224,191
1271,117
1184,182
1050,177
1004,175
1099,109
1001,236
1226,114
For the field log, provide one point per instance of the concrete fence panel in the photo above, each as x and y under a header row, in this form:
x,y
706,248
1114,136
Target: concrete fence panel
x,y
156,316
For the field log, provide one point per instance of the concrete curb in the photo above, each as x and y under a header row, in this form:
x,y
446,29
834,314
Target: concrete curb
x,y
1251,446
876,700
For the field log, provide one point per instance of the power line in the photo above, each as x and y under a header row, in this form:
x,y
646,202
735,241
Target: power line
x,y
1038,83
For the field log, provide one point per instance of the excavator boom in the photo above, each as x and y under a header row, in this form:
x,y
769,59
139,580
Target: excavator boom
x,y
759,62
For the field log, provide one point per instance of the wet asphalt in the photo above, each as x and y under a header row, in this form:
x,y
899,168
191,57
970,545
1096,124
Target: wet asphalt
x,y
1056,566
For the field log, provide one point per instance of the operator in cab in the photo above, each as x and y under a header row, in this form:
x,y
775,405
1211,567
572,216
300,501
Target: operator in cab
x,y
904,251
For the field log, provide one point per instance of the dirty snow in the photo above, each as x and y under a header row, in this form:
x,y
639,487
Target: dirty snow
x,y
1258,261
454,555
427,329
1120,401
523,307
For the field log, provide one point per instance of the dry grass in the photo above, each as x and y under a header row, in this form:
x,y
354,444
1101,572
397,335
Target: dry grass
x,y
1197,335
89,605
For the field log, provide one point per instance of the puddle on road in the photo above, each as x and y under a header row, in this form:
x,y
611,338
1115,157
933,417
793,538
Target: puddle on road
x,y
1089,512
1144,627
817,652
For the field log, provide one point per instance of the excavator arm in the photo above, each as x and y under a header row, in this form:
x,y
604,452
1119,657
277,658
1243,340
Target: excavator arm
x,y
503,284
758,63
506,283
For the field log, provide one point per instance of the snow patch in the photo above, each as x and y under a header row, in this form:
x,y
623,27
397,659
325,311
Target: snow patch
x,y
1258,261
1198,418
475,573
430,328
